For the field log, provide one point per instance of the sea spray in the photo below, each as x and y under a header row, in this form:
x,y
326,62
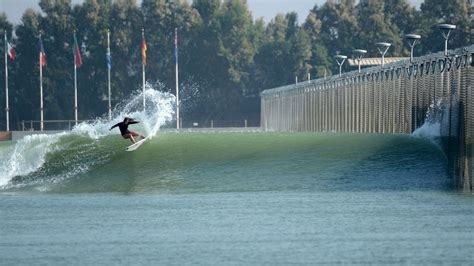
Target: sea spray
x,y
159,109
431,128
53,158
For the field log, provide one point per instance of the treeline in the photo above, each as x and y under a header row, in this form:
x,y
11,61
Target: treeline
x,y
226,56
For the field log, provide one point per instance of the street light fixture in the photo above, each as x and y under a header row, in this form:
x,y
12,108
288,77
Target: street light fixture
x,y
413,39
446,31
358,54
340,61
383,48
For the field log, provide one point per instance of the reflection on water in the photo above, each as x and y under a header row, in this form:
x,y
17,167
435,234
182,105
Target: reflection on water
x,y
239,198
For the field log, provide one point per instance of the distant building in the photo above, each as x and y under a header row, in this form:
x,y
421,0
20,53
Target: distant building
x,y
368,62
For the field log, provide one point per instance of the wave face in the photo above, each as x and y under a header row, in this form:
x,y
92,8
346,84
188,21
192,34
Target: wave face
x,y
90,158
235,162
43,162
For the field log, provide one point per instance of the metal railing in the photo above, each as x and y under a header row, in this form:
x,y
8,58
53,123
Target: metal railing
x,y
35,125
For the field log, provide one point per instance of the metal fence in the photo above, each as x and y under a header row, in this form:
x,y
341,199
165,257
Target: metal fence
x,y
394,98
35,125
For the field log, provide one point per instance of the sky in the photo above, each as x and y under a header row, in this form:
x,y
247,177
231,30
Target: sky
x,y
267,9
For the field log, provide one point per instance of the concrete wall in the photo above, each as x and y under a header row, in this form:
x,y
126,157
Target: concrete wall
x,y
395,98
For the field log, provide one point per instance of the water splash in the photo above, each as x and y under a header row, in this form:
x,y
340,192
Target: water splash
x,y
159,109
29,155
26,156
431,129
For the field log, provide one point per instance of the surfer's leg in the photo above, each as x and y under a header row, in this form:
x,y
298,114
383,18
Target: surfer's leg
x,y
134,134
129,136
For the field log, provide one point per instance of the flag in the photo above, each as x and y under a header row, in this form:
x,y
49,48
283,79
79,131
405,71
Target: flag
x,y
108,58
77,53
42,54
144,51
11,51
176,47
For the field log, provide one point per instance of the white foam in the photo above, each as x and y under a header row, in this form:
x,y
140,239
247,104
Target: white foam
x,y
26,156
29,153
431,129
160,109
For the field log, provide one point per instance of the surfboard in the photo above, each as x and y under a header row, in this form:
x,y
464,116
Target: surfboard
x,y
135,145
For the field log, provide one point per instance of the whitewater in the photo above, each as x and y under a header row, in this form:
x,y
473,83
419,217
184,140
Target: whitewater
x,y
29,154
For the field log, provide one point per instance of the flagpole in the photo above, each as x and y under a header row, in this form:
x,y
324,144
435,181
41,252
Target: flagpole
x,y
41,89
108,70
7,109
75,81
143,69
177,86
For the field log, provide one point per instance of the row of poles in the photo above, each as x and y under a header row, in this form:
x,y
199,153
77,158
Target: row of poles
x,y
9,52
383,47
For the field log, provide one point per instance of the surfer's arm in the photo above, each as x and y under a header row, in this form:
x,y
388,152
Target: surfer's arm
x,y
133,122
116,125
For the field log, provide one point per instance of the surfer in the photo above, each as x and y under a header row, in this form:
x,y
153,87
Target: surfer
x,y
127,134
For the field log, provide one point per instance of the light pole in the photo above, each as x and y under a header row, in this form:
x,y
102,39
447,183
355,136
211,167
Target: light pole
x,y
340,61
446,31
383,48
358,55
413,39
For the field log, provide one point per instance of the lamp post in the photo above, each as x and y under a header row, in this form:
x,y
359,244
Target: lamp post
x,y
446,31
383,48
413,39
340,61
358,55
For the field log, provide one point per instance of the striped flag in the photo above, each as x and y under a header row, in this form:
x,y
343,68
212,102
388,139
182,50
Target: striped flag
x,y
42,53
77,53
11,52
108,57
143,51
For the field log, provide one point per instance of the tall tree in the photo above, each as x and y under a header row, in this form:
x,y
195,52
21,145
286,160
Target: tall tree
x,y
26,96
58,83
125,30
92,20
376,26
286,53
320,61
434,12
339,27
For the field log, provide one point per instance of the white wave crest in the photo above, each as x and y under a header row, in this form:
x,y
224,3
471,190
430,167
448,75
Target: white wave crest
x,y
26,156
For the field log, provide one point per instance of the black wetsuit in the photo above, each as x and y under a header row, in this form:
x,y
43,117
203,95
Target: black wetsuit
x,y
123,126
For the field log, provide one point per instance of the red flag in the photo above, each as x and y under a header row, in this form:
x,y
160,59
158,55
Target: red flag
x,y
77,53
11,51
144,52
42,54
